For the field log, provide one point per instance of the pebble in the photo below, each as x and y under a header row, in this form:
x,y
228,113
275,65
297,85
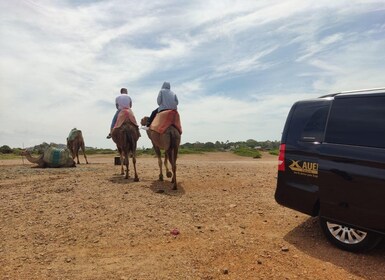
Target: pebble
x,y
175,232
285,249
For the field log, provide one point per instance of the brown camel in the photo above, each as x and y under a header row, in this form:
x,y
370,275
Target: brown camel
x,y
168,141
75,141
52,157
126,136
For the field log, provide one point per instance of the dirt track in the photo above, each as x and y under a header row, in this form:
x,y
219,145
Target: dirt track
x,y
90,223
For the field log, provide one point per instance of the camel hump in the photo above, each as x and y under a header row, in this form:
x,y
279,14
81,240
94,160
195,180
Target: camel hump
x,y
56,157
164,120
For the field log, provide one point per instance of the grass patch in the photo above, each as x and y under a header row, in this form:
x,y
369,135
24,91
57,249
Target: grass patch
x,y
274,152
247,152
9,156
189,151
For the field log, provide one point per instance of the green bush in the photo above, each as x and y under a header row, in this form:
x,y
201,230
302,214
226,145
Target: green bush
x,y
5,149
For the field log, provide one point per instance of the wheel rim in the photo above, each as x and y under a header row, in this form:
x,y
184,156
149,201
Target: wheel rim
x,y
346,234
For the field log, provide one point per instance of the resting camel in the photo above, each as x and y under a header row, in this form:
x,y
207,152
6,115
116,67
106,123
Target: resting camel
x,y
169,141
126,137
75,141
52,157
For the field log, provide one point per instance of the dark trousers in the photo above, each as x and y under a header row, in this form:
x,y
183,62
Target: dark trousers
x,y
152,117
114,119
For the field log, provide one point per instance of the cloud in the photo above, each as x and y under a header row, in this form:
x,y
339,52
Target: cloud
x,y
237,67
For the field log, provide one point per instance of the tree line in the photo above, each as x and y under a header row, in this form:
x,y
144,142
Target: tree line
x,y
249,147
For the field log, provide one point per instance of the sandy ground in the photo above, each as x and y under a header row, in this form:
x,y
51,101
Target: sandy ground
x,y
222,223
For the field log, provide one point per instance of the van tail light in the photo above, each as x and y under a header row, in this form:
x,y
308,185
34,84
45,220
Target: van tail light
x,y
281,157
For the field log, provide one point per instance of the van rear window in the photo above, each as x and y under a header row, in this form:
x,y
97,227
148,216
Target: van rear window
x,y
358,121
308,123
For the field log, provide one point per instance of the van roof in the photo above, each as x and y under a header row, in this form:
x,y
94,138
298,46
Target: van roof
x,y
359,91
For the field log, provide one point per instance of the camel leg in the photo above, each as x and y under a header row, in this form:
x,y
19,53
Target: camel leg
x,y
126,163
121,166
77,155
75,149
136,178
172,153
166,159
158,154
84,152
121,163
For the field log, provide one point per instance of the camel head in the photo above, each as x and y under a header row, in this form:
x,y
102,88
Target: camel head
x,y
143,121
70,163
25,153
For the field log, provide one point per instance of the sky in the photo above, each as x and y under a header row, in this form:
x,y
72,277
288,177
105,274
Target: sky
x,y
236,66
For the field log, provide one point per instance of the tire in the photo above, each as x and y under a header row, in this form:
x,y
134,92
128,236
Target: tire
x,y
349,238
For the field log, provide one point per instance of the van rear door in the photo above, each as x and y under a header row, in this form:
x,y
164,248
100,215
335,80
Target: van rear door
x,y
297,186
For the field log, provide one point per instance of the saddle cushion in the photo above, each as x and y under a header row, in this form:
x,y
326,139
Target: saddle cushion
x,y
125,114
56,157
164,119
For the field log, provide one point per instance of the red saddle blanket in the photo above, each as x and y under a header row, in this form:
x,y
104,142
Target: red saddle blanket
x,y
125,114
164,119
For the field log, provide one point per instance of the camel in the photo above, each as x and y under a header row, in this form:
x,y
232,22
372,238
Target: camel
x,y
169,141
126,136
75,141
52,157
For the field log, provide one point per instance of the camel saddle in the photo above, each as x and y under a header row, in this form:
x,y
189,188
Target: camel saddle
x,y
164,119
56,157
73,134
125,114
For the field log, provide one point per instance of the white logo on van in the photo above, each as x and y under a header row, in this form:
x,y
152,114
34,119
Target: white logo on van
x,y
304,168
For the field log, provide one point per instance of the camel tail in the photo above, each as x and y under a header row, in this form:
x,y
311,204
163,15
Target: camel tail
x,y
130,142
174,144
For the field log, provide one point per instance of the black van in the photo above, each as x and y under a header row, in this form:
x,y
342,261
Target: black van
x,y
332,165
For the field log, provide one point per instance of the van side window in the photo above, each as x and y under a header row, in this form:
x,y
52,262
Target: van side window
x,y
358,121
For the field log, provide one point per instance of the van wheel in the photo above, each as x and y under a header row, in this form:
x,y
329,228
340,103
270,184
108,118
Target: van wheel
x,y
348,238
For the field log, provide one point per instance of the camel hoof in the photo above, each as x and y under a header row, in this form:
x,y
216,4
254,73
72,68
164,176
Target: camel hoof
x,y
174,188
136,179
169,174
161,178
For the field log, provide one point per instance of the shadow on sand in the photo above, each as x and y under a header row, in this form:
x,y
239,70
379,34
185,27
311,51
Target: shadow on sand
x,y
165,188
308,238
119,179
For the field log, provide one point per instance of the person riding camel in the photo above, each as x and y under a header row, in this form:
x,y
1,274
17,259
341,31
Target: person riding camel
x,y
123,101
167,100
